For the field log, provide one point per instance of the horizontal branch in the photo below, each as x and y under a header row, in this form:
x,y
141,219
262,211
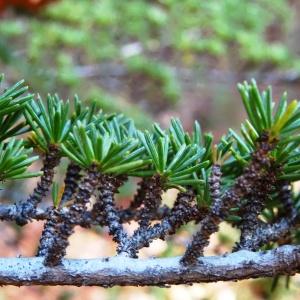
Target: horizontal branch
x,y
13,212
267,233
122,270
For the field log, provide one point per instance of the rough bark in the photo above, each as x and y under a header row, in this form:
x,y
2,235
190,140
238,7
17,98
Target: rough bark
x,y
106,209
59,226
286,199
210,223
183,211
255,204
12,212
108,272
72,179
27,208
139,195
256,233
50,268
256,171
267,233
152,200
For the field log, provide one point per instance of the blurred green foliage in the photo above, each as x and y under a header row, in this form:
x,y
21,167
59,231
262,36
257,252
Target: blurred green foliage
x,y
98,44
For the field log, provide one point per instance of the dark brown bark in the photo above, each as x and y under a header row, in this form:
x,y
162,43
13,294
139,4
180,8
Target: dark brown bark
x,y
256,171
139,195
183,211
152,200
106,209
108,272
249,223
72,179
60,226
255,204
28,207
12,212
255,233
285,195
266,233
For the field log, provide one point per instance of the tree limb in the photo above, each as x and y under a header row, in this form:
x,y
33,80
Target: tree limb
x,y
121,270
11,212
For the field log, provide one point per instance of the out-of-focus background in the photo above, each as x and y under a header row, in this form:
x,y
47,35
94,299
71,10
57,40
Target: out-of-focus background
x,y
150,60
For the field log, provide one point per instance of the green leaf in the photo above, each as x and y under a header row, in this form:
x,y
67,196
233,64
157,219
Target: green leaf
x,y
191,182
163,149
290,177
27,175
72,156
197,134
55,194
245,98
158,130
192,169
87,145
281,107
269,106
179,156
147,141
285,116
241,143
259,104
127,167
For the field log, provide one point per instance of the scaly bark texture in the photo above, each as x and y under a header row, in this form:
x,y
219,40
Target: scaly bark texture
x,y
127,215
11,212
28,207
249,223
277,232
105,208
60,226
210,223
256,171
120,271
50,232
256,234
285,196
139,195
152,200
183,211
287,220
96,216
255,205
72,179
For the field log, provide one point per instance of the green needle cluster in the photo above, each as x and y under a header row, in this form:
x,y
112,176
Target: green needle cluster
x,y
114,145
14,157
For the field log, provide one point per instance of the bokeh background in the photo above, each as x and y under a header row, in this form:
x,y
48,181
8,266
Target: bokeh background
x,y
149,60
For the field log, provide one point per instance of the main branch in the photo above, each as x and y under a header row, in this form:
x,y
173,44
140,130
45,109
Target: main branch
x,y
121,270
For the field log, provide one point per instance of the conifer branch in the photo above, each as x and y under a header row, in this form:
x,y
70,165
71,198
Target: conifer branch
x,y
249,174
163,272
